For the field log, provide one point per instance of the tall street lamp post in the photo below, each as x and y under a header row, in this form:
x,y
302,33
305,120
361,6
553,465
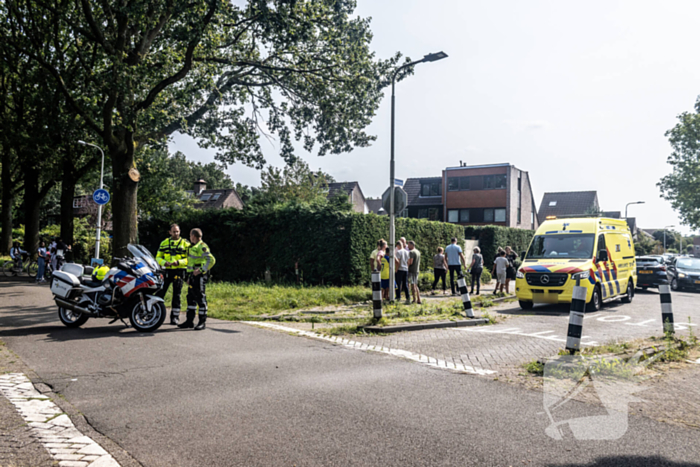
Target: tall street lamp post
x,y
668,226
99,206
392,215
633,202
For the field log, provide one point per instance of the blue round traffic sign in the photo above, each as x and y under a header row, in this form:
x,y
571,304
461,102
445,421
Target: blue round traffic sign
x,y
101,196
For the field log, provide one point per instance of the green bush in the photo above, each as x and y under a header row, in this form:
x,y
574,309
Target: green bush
x,y
83,246
491,237
329,246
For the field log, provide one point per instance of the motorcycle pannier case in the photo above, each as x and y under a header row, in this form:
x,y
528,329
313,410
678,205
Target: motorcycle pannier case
x,y
62,282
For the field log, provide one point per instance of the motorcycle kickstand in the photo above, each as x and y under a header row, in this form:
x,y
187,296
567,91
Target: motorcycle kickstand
x,y
127,325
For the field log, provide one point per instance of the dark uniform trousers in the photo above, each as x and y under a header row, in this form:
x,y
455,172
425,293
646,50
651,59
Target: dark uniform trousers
x,y
197,293
175,277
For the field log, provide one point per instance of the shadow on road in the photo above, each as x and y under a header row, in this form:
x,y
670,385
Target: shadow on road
x,y
630,461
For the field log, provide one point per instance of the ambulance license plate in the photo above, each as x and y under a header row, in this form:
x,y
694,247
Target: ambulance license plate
x,y
697,282
646,272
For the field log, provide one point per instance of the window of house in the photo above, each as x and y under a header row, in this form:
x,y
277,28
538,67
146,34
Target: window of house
x,y
453,215
76,202
205,197
423,213
434,214
519,215
464,215
494,182
431,189
216,196
464,183
499,215
520,183
453,184
488,215
552,204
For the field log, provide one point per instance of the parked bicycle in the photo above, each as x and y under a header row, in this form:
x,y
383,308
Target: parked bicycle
x,y
30,268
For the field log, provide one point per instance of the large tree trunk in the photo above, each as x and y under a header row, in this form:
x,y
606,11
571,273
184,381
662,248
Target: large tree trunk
x,y
32,208
8,200
67,195
124,222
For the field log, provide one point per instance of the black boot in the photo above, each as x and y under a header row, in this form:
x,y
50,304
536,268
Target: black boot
x,y
190,320
202,323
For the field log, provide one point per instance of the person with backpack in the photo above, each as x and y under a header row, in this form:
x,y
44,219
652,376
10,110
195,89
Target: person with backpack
x,y
510,270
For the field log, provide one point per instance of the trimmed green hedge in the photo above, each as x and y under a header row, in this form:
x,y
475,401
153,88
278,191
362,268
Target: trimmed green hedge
x,y
493,236
331,247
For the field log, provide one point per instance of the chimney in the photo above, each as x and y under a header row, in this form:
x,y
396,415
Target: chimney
x,y
199,186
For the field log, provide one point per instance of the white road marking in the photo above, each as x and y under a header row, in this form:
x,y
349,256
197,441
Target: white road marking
x,y
519,332
643,323
51,427
614,318
425,360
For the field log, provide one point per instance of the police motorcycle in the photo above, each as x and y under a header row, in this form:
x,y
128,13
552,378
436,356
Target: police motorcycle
x,y
126,290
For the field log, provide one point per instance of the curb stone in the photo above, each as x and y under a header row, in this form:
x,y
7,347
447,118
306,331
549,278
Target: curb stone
x,y
422,326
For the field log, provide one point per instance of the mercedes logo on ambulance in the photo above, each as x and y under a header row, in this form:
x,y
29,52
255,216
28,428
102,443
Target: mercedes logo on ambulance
x,y
544,279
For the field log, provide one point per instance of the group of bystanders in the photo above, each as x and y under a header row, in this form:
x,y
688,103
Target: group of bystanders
x,y
407,267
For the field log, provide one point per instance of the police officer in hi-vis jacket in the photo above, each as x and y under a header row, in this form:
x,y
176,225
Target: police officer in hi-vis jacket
x,y
172,255
199,263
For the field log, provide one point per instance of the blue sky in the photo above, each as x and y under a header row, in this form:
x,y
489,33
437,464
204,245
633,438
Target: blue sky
x,y
578,94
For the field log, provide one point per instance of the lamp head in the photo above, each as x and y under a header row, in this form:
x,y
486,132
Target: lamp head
x,y
434,57
82,142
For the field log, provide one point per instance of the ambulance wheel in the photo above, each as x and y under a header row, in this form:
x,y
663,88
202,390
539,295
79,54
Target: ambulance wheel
x,y
70,318
526,305
627,298
596,302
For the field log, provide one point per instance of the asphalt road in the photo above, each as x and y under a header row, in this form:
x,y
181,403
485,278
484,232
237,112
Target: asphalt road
x,y
240,395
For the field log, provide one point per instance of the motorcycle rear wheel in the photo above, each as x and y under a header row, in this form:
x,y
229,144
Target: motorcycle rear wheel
x,y
147,321
70,318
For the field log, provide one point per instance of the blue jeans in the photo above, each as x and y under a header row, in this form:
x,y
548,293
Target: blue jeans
x,y
42,268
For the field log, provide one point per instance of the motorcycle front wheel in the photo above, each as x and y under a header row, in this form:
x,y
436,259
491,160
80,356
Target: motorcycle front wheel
x,y
147,321
70,318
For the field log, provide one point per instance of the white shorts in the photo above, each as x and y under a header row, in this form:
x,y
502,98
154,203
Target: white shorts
x,y
501,277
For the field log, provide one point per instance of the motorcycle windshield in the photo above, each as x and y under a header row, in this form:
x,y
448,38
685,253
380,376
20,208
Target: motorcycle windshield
x,y
140,252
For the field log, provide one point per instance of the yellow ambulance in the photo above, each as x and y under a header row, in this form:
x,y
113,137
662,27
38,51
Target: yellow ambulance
x,y
597,251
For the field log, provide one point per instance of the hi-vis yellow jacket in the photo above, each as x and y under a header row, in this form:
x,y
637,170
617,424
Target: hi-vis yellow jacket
x,y
173,251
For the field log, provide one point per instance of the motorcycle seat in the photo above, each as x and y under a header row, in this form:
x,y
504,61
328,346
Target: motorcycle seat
x,y
88,282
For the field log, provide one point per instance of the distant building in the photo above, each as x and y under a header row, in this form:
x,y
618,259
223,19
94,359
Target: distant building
x,y
85,206
215,199
424,198
373,205
568,203
498,194
354,193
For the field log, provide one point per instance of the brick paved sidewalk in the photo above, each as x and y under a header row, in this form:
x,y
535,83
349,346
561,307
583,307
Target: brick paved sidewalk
x,y
527,336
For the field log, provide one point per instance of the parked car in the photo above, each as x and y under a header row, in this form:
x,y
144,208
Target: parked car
x,y
684,273
651,271
669,257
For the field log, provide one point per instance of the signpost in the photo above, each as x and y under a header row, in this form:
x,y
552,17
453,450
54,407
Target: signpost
x,y
100,196
400,200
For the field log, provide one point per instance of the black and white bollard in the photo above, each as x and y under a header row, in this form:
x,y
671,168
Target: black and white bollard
x,y
466,301
578,307
666,308
377,294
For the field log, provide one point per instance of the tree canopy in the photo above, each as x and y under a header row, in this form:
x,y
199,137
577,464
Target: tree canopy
x,y
682,186
223,72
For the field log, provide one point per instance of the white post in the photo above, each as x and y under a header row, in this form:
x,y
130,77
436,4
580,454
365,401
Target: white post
x,y
99,206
